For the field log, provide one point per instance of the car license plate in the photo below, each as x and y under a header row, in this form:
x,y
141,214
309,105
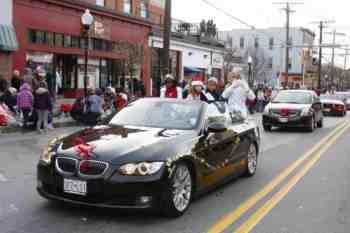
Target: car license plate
x,y
283,120
327,110
75,187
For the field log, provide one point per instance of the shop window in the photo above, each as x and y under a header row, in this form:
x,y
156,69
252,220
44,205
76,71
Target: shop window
x,y
97,44
143,9
67,41
59,40
100,2
109,46
127,7
50,38
271,43
32,36
82,43
241,42
256,43
75,41
40,37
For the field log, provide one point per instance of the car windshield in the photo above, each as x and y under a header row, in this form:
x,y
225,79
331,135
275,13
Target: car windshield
x,y
160,114
293,97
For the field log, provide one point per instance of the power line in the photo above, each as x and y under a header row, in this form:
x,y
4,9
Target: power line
x,y
252,27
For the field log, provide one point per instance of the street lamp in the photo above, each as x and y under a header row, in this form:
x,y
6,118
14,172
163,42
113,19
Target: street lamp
x,y
250,61
86,20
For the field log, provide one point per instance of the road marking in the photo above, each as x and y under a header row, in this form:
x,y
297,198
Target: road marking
x,y
232,217
254,219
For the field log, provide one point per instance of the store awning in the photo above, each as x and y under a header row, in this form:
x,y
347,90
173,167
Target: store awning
x,y
8,39
191,70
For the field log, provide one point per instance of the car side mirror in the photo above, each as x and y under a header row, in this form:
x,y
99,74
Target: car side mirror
x,y
216,128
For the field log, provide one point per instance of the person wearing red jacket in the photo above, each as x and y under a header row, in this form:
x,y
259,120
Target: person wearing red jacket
x,y
171,90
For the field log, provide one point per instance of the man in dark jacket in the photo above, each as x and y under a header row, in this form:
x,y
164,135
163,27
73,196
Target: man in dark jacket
x,y
16,81
42,105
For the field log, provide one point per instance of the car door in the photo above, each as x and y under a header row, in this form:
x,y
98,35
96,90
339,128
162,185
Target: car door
x,y
217,156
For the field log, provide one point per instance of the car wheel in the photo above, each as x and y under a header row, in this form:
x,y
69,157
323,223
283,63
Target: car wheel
x,y
252,161
311,126
320,123
178,194
268,128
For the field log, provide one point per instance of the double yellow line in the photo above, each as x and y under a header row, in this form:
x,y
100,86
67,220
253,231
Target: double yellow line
x,y
314,153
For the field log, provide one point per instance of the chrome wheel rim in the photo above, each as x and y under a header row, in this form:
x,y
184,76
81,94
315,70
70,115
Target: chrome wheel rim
x,y
252,159
182,188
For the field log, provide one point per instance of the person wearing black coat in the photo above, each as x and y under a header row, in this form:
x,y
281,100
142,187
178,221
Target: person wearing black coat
x,y
42,106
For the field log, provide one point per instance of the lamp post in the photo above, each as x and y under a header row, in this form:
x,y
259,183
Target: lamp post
x,y
86,20
250,61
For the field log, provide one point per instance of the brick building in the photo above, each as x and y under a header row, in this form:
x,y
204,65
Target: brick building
x,y
8,42
119,53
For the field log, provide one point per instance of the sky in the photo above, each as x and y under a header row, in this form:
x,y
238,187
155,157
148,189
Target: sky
x,y
264,14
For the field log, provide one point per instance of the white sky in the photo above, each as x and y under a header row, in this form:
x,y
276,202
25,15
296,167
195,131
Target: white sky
x,y
263,14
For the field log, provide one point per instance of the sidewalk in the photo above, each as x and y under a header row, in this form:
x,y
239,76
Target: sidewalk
x,y
58,122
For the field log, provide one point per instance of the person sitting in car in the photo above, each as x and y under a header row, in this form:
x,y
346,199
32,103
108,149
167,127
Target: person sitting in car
x,y
171,90
212,93
197,91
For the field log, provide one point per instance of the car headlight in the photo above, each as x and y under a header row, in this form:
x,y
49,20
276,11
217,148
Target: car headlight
x,y
140,169
306,112
49,150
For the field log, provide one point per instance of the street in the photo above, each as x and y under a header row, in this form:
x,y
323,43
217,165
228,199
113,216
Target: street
x,y
306,199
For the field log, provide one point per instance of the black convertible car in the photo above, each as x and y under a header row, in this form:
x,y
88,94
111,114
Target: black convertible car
x,y
153,154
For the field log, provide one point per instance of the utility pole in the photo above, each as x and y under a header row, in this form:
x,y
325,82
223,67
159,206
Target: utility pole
x,y
166,38
322,25
288,11
334,33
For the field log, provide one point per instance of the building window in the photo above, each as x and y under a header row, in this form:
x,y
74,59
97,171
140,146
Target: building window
x,y
100,2
127,7
75,41
241,42
270,62
50,39
256,42
271,43
31,36
58,40
67,41
143,9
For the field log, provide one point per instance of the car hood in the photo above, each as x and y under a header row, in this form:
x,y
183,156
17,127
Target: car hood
x,y
288,106
119,145
330,101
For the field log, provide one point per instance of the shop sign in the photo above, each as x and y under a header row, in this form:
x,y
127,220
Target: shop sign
x,y
158,3
36,57
217,60
101,30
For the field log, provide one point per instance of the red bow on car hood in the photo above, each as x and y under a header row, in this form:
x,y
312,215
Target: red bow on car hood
x,y
83,149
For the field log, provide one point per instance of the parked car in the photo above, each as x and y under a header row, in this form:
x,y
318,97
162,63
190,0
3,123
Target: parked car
x,y
155,153
333,106
294,108
345,97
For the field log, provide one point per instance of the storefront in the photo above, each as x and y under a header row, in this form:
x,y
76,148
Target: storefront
x,y
118,45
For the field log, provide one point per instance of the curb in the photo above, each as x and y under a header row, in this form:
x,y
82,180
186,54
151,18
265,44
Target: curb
x,y
10,130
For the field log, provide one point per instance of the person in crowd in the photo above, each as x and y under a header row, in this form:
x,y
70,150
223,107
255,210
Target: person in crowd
x,y
93,107
42,106
212,92
197,91
171,90
25,101
260,98
121,99
109,98
3,85
9,97
40,75
16,80
28,77
237,94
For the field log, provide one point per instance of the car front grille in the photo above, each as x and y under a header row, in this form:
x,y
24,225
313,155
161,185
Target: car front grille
x,y
290,113
86,168
92,168
66,165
